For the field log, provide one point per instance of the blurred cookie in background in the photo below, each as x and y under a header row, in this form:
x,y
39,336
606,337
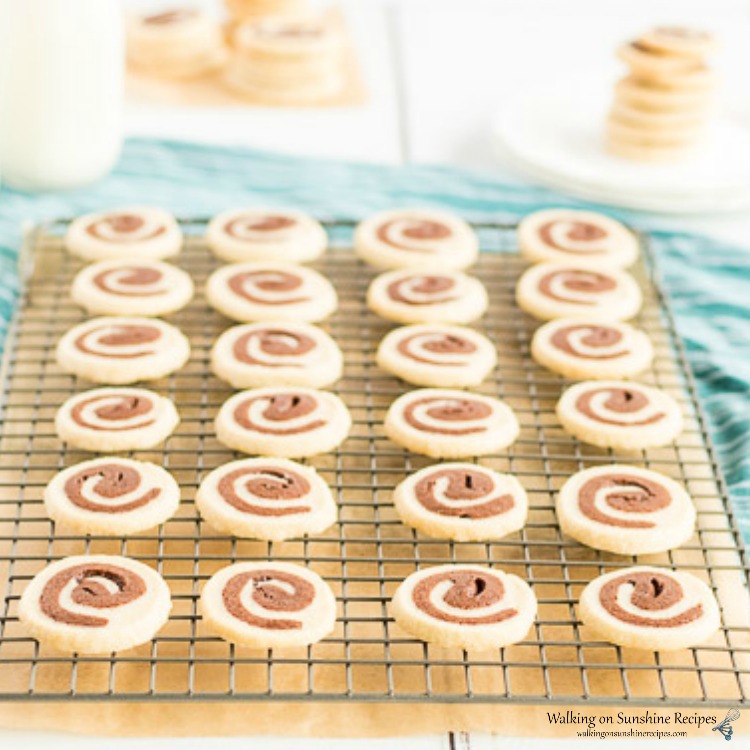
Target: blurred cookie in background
x,y
244,10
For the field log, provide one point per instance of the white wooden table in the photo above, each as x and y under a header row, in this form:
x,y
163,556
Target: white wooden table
x,y
435,71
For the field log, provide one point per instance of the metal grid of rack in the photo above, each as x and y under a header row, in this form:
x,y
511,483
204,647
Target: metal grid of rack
x,y
368,552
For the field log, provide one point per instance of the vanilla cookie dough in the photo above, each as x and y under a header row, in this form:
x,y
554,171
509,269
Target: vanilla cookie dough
x,y
405,238
291,422
112,420
268,605
117,351
563,234
647,608
444,423
437,355
620,414
134,233
281,353
266,498
467,606
591,349
266,234
462,501
112,496
426,296
263,291
556,290
127,287
95,604
626,510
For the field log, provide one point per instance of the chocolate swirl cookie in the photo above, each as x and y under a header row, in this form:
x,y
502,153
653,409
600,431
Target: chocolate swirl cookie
x,y
620,414
437,355
268,605
127,287
461,501
95,604
468,606
563,234
266,235
444,423
264,354
270,291
583,348
553,290
266,498
118,351
112,496
116,419
626,510
283,421
138,232
406,238
650,608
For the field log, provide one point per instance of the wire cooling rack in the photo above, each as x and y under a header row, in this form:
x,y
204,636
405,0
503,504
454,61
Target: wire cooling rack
x,y
368,552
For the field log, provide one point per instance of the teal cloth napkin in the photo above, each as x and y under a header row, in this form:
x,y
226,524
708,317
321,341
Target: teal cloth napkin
x,y
708,282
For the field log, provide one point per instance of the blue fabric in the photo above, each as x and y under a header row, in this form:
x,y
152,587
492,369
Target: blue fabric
x,y
708,283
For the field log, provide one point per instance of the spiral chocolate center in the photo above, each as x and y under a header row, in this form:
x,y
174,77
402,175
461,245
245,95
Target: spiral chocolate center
x,y
279,283
114,409
112,481
577,231
626,493
457,485
112,280
280,409
415,346
469,590
619,401
432,290
170,17
576,281
652,592
268,483
420,230
121,228
89,591
238,227
593,336
448,411
114,336
268,595
273,342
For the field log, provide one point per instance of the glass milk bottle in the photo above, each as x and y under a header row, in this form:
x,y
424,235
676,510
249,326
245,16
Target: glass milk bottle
x,y
61,91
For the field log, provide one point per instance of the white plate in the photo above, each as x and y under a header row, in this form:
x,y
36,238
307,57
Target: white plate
x,y
557,138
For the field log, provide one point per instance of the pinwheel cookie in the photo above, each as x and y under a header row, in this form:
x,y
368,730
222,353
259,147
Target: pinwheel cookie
x,y
445,423
133,233
582,348
271,234
117,351
437,355
116,419
468,606
626,510
128,287
427,296
562,234
267,290
281,353
461,501
95,604
290,422
557,290
620,414
406,238
268,605
650,608
112,496
266,498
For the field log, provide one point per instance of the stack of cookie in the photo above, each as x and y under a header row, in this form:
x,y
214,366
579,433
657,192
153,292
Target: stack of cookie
x,y
244,10
286,60
662,107
181,43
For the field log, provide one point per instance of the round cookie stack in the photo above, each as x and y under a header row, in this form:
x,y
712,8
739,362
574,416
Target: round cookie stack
x,y
662,107
286,60
180,43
